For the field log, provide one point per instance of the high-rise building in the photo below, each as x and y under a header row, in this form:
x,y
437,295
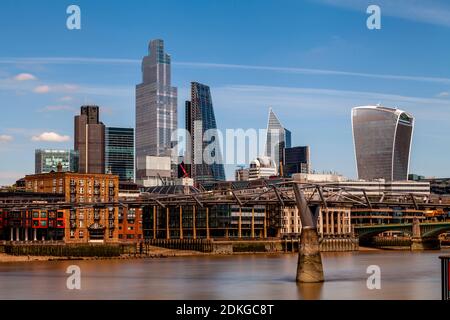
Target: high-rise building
x,y
48,160
90,140
262,167
199,119
382,138
119,152
278,139
156,110
297,160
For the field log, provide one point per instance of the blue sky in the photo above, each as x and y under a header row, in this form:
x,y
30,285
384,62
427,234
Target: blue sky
x,y
311,61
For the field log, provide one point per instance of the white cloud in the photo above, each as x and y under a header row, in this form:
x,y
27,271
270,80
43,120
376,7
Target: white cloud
x,y
24,77
431,12
56,108
66,98
50,137
443,94
5,138
292,70
41,89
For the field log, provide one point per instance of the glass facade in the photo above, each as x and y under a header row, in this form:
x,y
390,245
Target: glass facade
x,y
296,160
278,138
156,106
119,152
47,160
199,119
382,138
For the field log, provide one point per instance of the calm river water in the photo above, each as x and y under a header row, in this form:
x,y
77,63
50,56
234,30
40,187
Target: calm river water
x,y
404,275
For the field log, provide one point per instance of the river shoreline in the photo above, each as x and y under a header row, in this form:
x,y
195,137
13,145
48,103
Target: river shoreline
x,y
155,253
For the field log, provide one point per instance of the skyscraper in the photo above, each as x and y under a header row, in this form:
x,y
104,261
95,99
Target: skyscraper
x,y
297,160
382,138
119,152
199,119
47,160
90,140
156,108
278,138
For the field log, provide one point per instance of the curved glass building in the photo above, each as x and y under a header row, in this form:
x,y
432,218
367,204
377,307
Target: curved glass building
x,y
382,138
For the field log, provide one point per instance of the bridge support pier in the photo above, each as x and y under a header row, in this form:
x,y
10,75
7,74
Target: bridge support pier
x,y
309,266
418,244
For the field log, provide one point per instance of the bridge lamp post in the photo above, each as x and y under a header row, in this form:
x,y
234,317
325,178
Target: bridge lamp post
x,y
309,264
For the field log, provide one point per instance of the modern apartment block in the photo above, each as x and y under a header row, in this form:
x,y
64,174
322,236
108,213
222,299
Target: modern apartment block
x,y
119,152
382,139
89,140
48,160
199,119
156,111
278,139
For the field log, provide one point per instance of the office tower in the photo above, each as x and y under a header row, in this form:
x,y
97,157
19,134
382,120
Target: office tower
x,y
382,138
278,138
119,152
47,160
156,111
297,160
90,140
199,119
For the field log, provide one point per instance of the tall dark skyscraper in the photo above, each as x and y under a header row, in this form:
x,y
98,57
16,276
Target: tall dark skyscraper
x,y
278,138
156,108
119,152
90,140
200,118
297,160
382,138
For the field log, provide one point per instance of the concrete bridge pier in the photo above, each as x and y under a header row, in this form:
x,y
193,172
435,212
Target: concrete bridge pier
x,y
420,243
309,265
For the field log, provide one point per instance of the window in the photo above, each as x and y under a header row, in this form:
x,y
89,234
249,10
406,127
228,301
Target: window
x,y
43,223
35,214
43,214
72,233
81,223
81,234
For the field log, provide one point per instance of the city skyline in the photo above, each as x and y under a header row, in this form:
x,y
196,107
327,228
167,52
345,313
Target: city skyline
x,y
321,74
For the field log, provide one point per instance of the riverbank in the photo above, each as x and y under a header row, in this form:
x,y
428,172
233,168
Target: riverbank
x,y
155,252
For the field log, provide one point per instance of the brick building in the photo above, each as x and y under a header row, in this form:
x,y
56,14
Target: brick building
x,y
82,223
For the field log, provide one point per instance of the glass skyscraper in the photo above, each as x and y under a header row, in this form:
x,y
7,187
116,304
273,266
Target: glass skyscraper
x,y
278,138
199,119
156,107
119,152
297,160
382,138
47,160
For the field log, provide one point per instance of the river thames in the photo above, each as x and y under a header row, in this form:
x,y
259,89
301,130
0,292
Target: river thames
x,y
404,275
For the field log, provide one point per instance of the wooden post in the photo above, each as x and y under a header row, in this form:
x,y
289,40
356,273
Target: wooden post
x,y
181,222
265,223
194,223
207,223
240,224
154,222
167,224
253,222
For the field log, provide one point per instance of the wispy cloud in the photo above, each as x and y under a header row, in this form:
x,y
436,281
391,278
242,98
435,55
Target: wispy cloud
x,y
41,89
25,77
5,138
206,65
50,137
56,108
443,94
431,11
